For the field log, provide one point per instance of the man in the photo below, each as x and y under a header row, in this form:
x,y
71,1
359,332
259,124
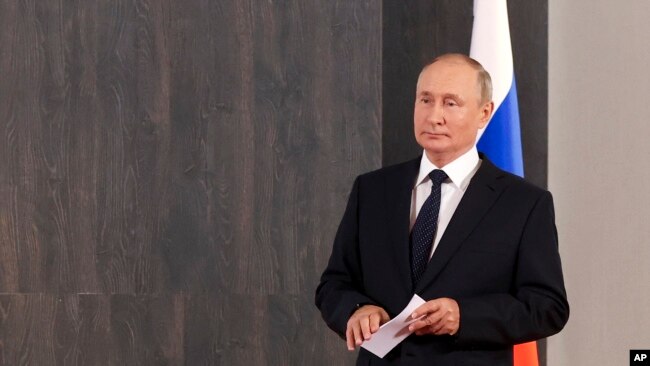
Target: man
x,y
491,273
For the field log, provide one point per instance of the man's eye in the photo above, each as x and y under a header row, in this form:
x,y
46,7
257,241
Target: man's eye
x,y
451,103
424,100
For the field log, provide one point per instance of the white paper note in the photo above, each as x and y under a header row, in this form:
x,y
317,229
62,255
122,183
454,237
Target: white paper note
x,y
392,333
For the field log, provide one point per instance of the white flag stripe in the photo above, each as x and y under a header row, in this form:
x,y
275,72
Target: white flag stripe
x,y
491,46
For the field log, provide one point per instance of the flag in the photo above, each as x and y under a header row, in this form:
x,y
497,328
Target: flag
x,y
500,140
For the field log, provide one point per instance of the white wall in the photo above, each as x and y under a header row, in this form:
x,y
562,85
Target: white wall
x,y
599,173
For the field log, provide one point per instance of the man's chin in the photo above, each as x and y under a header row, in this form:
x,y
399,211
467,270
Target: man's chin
x,y
435,149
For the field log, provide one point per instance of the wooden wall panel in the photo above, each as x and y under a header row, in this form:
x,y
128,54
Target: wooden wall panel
x,y
47,329
529,29
172,174
87,330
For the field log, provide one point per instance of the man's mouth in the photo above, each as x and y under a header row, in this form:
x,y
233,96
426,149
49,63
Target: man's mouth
x,y
435,134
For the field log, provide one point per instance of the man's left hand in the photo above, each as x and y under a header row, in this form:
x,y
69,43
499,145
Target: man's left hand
x,y
441,316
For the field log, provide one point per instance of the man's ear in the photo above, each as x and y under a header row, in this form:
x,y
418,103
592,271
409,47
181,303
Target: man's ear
x,y
486,113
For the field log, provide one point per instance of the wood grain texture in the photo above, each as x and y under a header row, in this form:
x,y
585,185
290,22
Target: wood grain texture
x,y
172,175
46,329
529,29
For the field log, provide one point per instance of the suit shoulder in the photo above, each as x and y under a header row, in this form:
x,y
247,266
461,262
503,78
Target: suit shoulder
x,y
502,180
520,185
395,170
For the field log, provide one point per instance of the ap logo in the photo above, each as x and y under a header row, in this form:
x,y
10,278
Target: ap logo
x,y
639,357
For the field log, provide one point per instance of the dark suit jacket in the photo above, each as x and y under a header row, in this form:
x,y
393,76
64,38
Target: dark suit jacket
x,y
498,258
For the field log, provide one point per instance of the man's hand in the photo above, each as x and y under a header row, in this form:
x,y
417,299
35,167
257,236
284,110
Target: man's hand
x,y
363,322
441,316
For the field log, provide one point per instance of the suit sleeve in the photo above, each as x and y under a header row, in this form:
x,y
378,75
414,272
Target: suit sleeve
x,y
341,284
537,305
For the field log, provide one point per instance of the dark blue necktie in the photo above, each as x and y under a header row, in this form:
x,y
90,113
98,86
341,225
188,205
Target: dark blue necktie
x,y
424,229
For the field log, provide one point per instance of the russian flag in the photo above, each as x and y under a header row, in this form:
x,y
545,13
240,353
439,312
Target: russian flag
x,y
500,140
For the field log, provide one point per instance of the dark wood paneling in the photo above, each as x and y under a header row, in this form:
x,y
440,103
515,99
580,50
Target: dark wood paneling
x,y
26,323
529,34
172,174
259,330
87,330
45,329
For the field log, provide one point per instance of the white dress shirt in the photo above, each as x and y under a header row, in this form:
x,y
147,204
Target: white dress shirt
x,y
460,173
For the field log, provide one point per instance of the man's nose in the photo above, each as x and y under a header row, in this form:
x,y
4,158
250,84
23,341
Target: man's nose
x,y
436,114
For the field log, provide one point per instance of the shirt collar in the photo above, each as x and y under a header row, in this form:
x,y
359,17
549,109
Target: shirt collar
x,y
458,170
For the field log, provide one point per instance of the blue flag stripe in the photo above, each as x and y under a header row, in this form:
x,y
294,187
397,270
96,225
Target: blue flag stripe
x,y
501,141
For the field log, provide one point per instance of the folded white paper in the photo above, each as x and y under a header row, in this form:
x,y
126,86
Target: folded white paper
x,y
392,333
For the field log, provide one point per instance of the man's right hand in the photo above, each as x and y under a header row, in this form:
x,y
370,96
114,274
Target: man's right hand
x,y
363,322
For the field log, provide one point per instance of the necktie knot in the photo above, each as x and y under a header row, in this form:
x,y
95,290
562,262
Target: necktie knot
x,y
437,176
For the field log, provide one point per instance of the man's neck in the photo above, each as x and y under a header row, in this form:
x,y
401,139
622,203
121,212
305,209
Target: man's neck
x,y
441,160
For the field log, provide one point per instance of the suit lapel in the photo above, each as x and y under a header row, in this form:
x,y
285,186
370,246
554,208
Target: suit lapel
x,y
481,194
398,191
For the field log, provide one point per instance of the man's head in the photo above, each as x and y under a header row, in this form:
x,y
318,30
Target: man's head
x,y
453,101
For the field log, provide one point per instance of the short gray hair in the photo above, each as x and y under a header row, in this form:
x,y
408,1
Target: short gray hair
x,y
483,77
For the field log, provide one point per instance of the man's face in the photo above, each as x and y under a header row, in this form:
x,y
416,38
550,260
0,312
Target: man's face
x,y
448,110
